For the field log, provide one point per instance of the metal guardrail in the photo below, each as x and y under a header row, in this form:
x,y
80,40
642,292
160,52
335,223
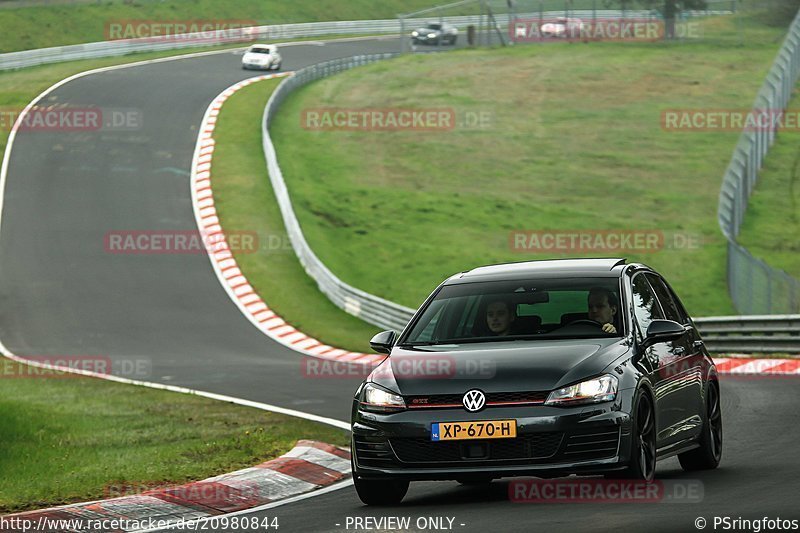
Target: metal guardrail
x,y
368,307
751,333
276,32
754,286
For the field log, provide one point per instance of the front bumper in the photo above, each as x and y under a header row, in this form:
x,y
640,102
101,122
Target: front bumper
x,y
260,66
550,442
422,39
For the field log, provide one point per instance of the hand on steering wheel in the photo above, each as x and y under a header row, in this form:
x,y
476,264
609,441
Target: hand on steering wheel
x,y
607,328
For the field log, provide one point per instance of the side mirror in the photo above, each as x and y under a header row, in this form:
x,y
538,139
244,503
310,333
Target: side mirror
x,y
383,341
663,331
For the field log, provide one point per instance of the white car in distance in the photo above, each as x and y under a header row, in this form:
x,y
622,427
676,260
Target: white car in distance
x,y
564,28
262,57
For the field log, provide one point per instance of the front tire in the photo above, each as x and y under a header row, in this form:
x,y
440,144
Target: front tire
x,y
643,452
380,491
709,454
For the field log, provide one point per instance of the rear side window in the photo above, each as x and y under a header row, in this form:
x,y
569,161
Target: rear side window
x,y
645,304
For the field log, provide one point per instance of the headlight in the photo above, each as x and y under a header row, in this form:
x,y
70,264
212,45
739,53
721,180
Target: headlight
x,y
601,389
378,399
414,33
431,35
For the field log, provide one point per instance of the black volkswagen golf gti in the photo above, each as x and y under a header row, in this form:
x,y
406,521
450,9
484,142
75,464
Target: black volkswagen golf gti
x,y
545,369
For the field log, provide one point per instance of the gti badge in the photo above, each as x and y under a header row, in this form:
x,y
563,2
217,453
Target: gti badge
x,y
474,400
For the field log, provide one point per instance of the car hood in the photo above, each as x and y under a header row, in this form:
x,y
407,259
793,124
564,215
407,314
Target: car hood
x,y
427,30
496,367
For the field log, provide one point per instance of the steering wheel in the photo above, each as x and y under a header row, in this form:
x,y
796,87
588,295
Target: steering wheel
x,y
585,321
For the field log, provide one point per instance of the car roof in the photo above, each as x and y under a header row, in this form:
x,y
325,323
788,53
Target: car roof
x,y
604,267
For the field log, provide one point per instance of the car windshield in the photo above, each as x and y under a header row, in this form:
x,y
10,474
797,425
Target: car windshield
x,y
520,310
434,26
260,51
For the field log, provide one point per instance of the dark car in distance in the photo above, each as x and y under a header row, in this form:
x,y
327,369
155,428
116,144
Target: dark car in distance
x,y
435,33
542,368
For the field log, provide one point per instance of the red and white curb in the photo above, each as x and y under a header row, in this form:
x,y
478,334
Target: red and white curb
x,y
223,261
309,466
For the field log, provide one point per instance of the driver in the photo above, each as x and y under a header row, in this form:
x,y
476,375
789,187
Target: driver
x,y
603,306
500,315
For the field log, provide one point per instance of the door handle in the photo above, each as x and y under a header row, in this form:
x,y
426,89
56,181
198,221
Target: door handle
x,y
697,344
679,350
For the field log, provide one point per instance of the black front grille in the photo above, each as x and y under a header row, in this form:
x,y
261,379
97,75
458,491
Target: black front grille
x,y
527,447
440,400
592,445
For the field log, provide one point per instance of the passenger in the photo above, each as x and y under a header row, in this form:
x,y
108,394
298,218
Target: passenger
x,y
500,315
603,307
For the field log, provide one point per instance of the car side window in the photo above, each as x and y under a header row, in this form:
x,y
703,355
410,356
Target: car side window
x,y
645,304
671,309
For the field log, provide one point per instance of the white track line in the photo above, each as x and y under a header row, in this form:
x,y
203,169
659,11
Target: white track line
x,y
183,390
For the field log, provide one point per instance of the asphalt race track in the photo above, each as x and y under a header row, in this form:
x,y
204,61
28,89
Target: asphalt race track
x,y
62,293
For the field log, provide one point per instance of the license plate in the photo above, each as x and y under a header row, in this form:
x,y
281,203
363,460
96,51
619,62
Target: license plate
x,y
487,429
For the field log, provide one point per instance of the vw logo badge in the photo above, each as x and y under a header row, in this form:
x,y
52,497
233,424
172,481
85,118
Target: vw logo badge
x,y
474,400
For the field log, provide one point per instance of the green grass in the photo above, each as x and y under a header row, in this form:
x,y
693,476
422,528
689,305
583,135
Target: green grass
x,y
68,439
246,202
771,228
39,27
575,142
